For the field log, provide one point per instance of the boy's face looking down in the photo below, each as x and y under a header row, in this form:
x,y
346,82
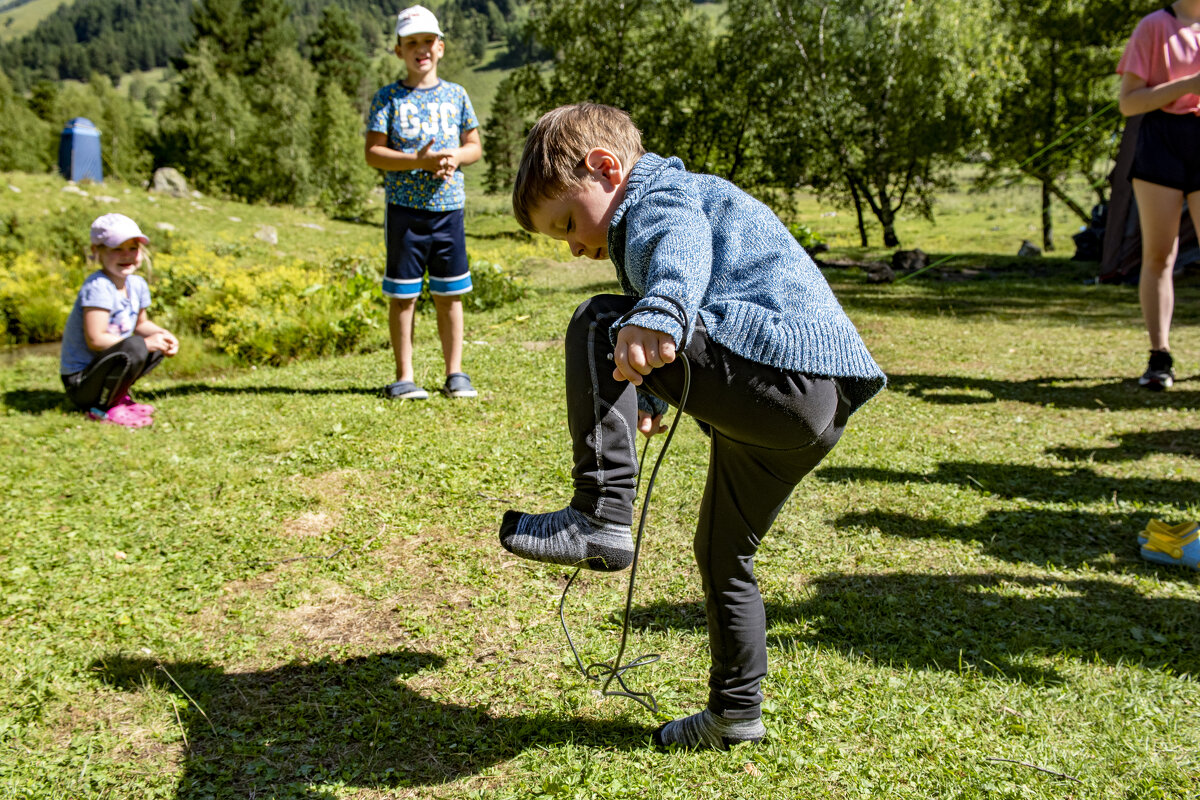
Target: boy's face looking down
x,y
420,53
581,215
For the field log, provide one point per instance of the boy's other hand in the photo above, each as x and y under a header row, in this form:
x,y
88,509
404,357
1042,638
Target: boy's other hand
x,y
649,425
640,350
426,160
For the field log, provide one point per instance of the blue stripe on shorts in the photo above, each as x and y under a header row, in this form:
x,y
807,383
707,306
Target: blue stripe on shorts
x,y
460,284
402,289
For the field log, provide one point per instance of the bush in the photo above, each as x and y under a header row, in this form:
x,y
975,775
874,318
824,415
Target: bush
x,y
36,295
809,239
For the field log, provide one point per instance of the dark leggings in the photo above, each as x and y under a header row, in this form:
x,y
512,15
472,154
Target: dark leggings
x,y
768,429
107,379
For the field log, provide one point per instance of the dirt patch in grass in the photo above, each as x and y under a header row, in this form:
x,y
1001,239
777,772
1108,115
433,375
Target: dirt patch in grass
x,y
336,616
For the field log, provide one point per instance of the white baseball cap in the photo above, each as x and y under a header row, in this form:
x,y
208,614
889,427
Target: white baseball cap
x,y
111,230
417,19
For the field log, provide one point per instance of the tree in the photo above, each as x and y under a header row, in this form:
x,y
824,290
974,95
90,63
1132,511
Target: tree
x,y
277,167
24,138
205,122
656,59
1064,97
875,99
342,178
338,54
125,126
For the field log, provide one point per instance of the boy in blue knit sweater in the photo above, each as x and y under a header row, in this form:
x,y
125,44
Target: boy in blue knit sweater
x,y
776,370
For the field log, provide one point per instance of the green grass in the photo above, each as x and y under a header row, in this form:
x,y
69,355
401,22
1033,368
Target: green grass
x,y
19,21
291,588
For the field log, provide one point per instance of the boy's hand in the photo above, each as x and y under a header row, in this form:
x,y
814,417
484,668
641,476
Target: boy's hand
x,y
638,351
650,425
447,161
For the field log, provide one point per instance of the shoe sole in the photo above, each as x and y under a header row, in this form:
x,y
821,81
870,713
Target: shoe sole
x,y
463,393
1155,385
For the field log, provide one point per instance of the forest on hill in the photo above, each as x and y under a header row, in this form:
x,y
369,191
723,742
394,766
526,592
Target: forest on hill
x,y
873,104
115,37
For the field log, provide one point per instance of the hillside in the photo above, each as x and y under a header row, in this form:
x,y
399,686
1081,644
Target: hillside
x,y
19,17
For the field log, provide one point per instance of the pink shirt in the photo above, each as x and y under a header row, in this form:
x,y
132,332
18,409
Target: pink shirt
x,y
1162,49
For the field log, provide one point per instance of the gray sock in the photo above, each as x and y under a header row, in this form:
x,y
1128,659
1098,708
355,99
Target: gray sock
x,y
568,537
709,730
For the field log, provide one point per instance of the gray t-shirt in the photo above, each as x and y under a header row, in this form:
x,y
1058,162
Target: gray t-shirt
x,y
99,291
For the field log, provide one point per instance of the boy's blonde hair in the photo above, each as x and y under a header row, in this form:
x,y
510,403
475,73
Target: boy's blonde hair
x,y
552,162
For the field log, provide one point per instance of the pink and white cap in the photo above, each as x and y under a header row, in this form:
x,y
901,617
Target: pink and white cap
x,y
111,230
417,19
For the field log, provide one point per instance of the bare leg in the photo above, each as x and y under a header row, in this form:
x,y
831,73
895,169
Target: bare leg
x,y
1159,208
400,326
450,330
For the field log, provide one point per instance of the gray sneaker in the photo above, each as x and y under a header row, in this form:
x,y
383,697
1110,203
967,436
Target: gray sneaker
x,y
404,390
458,385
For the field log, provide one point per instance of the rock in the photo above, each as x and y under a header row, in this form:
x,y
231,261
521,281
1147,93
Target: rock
x,y
164,226
16,189
235,219
104,198
879,272
908,260
268,234
309,225
1029,249
168,180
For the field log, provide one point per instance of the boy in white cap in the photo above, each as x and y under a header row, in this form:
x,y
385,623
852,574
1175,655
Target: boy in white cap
x,y
109,341
420,130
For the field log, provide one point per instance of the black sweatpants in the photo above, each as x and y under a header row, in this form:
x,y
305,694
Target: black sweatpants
x,y
108,378
768,429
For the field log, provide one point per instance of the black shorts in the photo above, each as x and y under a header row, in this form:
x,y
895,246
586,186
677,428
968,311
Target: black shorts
x,y
1168,151
418,241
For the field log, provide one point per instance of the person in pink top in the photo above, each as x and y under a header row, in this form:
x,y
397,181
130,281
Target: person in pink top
x,y
1160,78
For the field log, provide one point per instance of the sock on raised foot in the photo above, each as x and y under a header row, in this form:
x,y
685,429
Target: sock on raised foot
x,y
568,537
709,730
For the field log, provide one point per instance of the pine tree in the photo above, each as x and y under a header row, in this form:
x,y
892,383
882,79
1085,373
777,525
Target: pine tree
x,y
338,54
205,123
342,176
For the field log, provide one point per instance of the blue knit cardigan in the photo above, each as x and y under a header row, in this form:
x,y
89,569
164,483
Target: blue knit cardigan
x,y
727,258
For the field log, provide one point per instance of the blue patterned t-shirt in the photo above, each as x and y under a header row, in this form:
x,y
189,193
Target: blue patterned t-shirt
x,y
410,118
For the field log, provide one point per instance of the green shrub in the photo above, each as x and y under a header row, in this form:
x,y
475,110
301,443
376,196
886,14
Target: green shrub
x,y
36,295
806,236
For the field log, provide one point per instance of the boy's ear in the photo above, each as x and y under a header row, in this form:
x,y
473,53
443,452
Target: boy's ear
x,y
604,165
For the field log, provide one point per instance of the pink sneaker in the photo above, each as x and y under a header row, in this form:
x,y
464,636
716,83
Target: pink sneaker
x,y
120,415
138,408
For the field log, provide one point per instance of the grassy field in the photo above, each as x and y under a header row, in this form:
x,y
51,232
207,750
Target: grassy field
x,y
18,21
289,587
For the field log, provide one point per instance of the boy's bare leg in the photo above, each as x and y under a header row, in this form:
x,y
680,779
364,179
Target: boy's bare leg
x,y
1159,208
400,326
450,330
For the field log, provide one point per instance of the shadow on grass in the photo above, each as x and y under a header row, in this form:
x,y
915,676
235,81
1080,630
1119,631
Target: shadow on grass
x,y
305,730
1135,445
1063,392
36,401
987,622
1051,539
991,622
1043,484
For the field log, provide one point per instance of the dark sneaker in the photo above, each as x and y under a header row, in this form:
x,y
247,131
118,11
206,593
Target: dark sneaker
x,y
1160,373
458,385
404,390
